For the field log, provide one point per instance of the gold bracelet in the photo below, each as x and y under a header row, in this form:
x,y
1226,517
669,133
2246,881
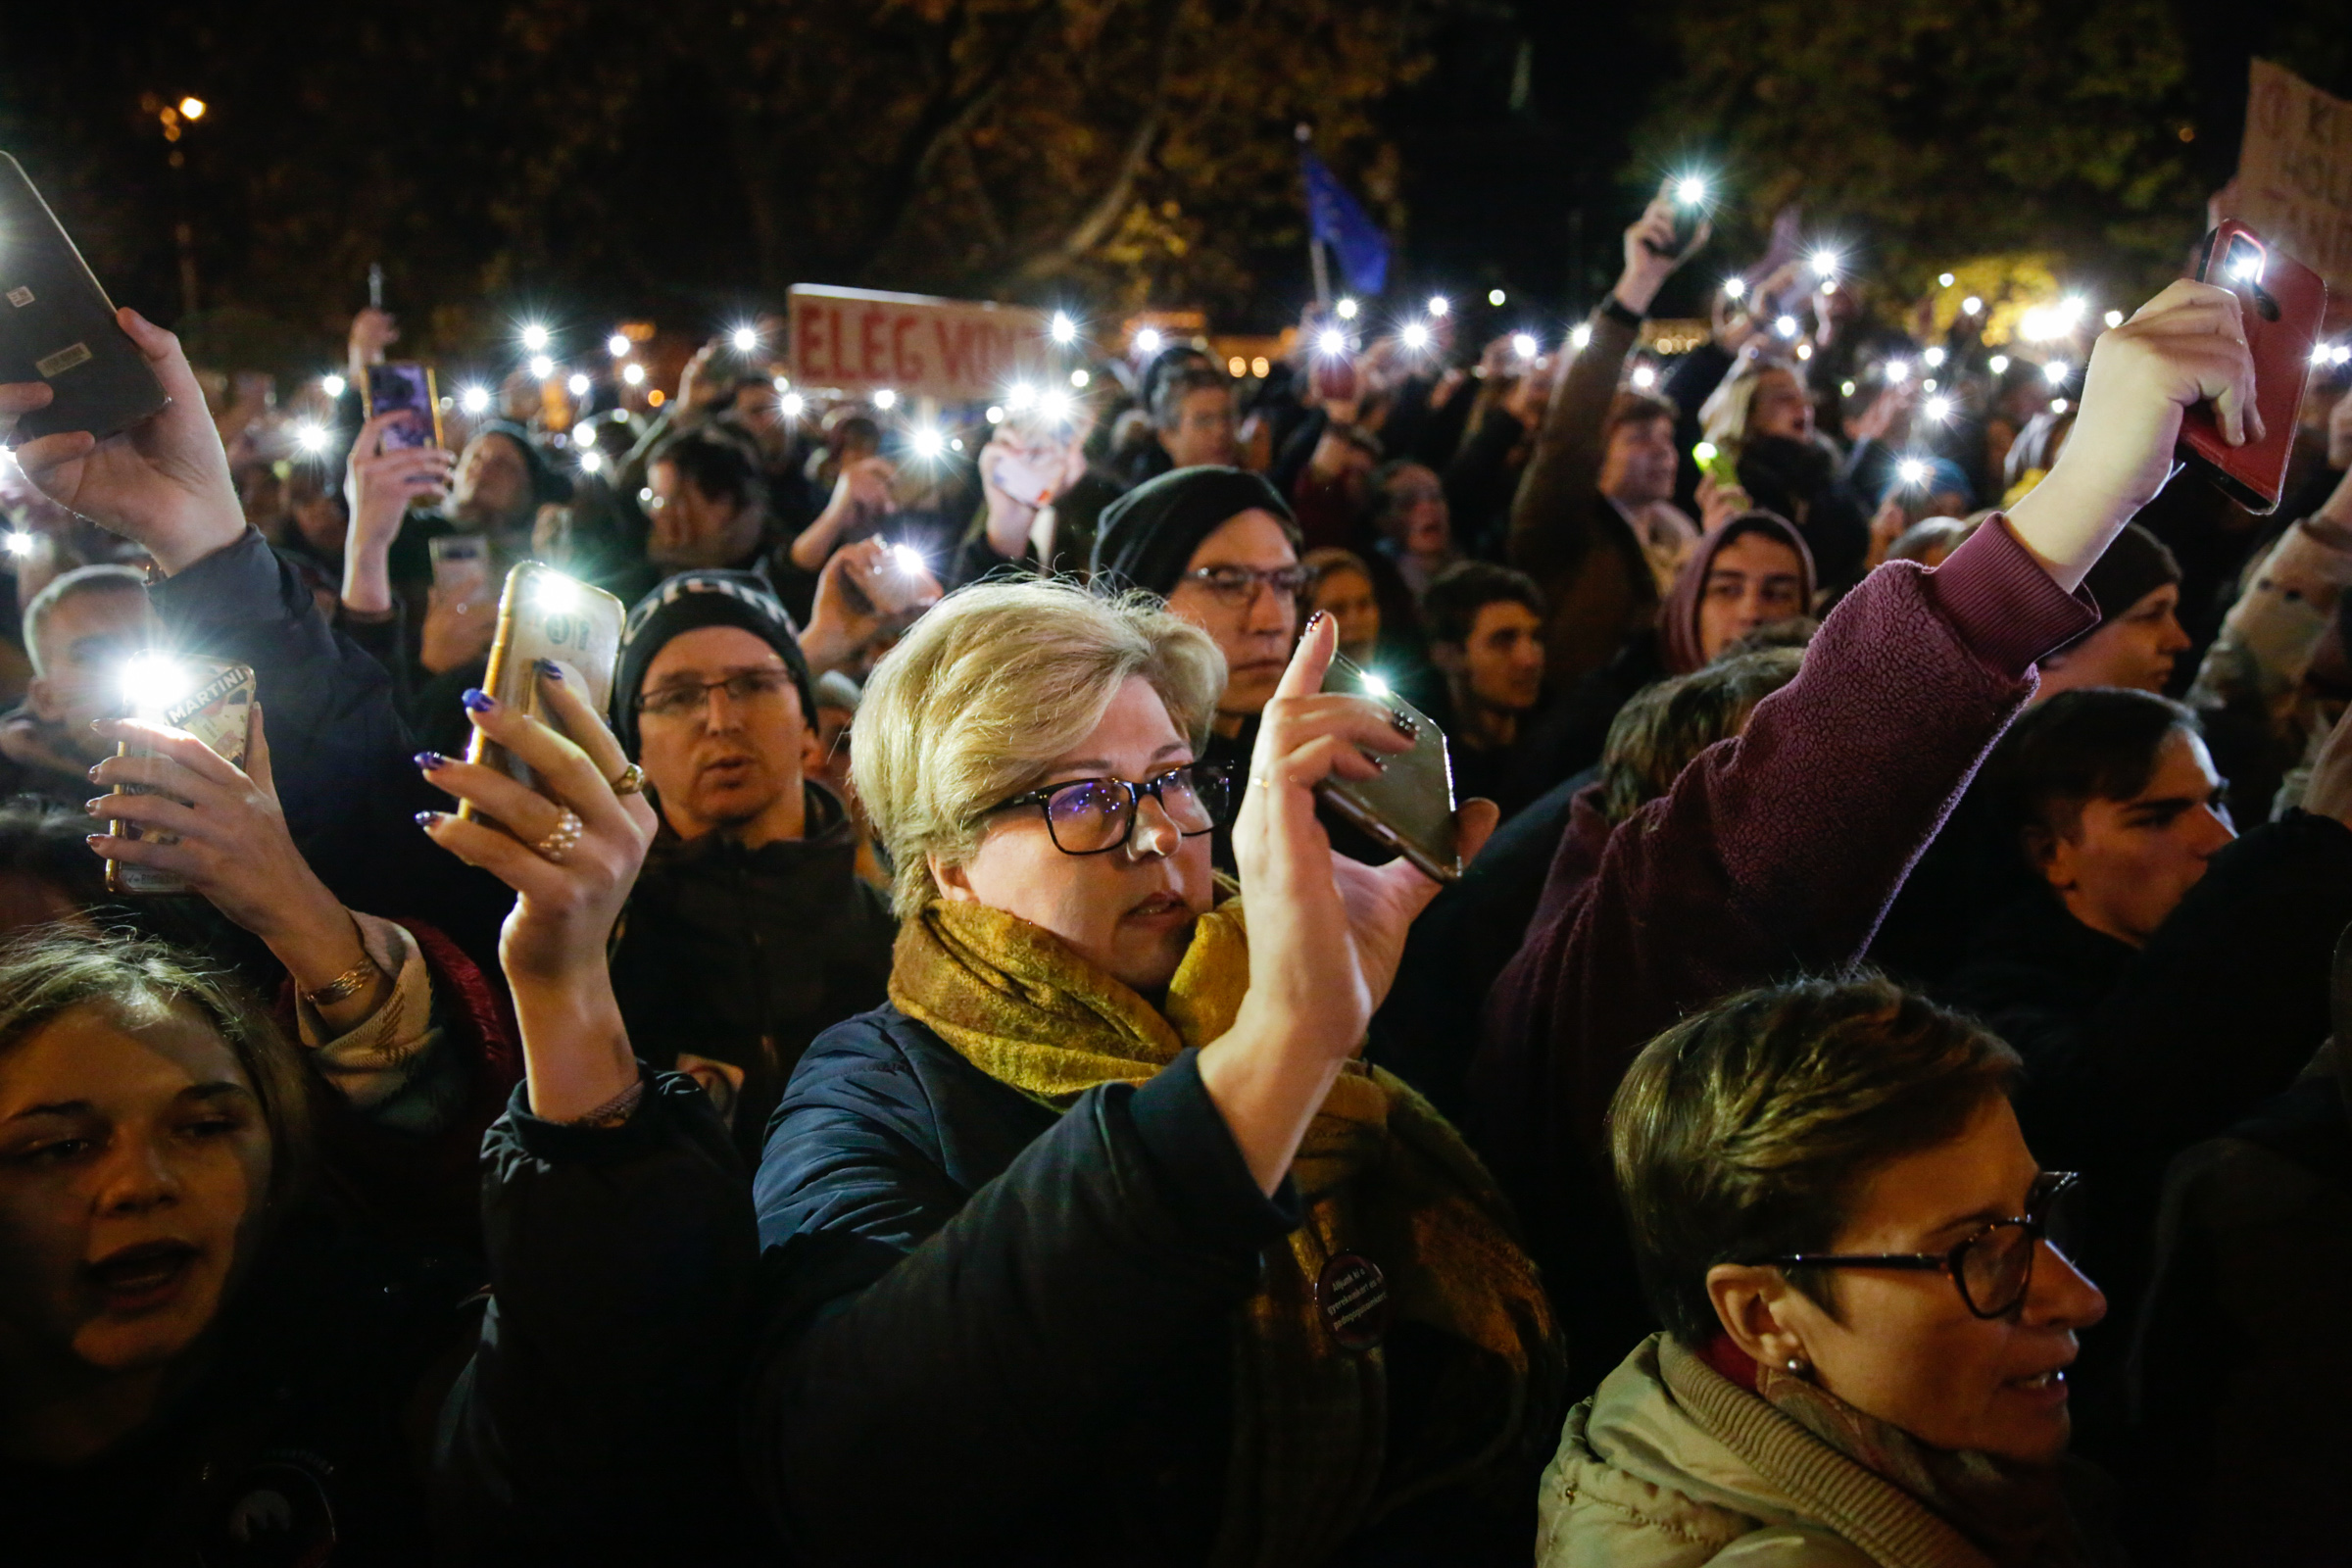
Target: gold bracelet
x,y
345,986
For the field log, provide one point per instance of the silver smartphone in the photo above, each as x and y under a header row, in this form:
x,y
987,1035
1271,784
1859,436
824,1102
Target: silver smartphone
x,y
1410,805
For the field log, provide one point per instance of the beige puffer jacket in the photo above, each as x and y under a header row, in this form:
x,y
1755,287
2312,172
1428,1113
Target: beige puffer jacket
x,y
1670,1466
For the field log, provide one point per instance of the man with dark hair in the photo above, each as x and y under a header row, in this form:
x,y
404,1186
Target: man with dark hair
x,y
708,507
1486,636
2162,976
1193,416
749,930
1638,468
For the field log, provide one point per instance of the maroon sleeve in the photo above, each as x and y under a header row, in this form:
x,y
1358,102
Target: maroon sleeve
x,y
1776,851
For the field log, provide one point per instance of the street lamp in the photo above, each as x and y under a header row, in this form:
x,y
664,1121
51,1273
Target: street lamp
x,y
175,119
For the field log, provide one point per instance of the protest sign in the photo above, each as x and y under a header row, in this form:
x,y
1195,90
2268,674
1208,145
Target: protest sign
x,y
958,351
2294,172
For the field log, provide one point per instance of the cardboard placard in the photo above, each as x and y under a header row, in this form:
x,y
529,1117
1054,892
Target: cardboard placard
x,y
2294,174
958,351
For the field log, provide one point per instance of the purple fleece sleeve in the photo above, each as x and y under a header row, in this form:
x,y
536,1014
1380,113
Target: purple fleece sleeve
x,y
1776,851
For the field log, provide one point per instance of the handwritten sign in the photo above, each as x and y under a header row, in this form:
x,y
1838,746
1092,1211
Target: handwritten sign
x,y
959,351
2294,172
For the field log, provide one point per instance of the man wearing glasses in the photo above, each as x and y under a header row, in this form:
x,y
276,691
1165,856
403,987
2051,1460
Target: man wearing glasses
x,y
749,930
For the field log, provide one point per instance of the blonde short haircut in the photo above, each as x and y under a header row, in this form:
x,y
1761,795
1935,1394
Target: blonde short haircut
x,y
993,685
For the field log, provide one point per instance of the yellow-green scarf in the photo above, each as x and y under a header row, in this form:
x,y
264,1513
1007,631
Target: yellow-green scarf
x,y
1382,1174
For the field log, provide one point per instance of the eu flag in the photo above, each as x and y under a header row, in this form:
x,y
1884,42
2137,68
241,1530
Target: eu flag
x,y
1335,217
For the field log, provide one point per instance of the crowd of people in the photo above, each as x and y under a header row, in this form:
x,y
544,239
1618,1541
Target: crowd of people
x,y
925,1073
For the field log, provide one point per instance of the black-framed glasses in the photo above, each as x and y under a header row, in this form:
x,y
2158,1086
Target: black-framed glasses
x,y
1238,585
1992,1269
1095,815
685,699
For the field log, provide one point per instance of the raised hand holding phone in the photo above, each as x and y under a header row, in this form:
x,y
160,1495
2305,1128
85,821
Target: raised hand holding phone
x,y
1325,932
162,483
2185,347
569,848
2282,305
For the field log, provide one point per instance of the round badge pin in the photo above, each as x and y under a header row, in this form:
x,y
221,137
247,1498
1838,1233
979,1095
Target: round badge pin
x,y
1354,1296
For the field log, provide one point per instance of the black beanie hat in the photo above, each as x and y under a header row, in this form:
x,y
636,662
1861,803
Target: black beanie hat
x,y
1147,535
685,603
546,483
2136,565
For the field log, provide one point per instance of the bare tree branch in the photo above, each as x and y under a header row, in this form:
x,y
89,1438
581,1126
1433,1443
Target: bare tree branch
x,y
1106,209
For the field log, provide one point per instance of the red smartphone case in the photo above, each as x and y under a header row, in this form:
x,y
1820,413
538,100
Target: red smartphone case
x,y
2279,334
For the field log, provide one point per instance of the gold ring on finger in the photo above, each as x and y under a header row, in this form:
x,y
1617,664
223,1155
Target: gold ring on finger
x,y
630,782
562,838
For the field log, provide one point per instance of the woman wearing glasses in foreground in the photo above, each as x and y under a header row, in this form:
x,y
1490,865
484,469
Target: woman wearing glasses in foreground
x,y
1868,1322
1097,1244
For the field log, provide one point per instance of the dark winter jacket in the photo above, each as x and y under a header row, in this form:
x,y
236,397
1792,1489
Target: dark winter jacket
x,y
997,1333
745,955
2241,1369
2133,1056
596,1421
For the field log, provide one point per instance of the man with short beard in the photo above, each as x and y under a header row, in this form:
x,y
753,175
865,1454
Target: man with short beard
x,y
749,931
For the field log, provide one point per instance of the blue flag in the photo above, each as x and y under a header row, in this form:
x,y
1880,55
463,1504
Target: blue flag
x,y
1335,217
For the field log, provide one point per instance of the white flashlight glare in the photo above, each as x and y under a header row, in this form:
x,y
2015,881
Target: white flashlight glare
x,y
153,681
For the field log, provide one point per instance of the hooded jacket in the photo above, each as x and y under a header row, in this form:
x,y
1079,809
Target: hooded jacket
x,y
1568,739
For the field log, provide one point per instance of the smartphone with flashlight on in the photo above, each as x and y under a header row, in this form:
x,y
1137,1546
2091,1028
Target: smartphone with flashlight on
x,y
213,701
2285,304
57,325
544,614
1410,805
1689,195
405,389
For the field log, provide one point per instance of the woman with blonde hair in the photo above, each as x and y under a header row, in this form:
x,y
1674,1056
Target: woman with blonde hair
x,y
1099,1233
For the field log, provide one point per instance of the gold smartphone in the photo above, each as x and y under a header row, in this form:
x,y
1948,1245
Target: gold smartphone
x,y
1410,805
544,614
211,701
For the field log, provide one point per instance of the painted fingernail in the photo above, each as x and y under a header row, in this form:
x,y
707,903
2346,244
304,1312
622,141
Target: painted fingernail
x,y
1404,724
425,819
95,771
428,761
1316,620
551,669
478,700
91,807
1380,762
